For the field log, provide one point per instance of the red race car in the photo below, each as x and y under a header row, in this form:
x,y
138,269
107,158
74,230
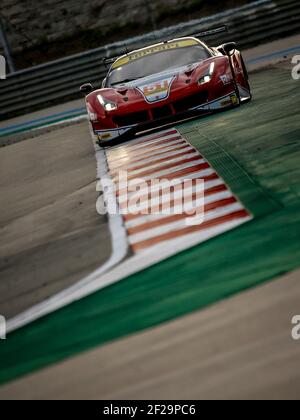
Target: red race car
x,y
170,81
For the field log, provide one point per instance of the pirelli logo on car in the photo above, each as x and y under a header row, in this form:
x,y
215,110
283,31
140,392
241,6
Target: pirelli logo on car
x,y
153,50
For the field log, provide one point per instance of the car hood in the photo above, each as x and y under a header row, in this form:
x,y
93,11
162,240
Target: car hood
x,y
152,89
157,87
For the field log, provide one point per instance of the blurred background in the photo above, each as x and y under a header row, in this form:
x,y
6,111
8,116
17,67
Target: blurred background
x,y
48,29
61,44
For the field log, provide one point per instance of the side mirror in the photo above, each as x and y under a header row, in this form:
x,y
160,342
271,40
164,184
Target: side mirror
x,y
229,48
86,88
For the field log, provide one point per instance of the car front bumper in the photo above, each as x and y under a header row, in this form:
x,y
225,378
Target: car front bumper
x,y
112,136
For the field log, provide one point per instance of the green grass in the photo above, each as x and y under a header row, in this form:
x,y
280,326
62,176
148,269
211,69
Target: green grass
x,y
256,149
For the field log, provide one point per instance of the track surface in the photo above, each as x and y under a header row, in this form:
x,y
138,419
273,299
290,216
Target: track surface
x,y
271,157
48,188
238,349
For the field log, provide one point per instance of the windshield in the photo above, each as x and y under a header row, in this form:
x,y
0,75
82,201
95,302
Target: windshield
x,y
157,63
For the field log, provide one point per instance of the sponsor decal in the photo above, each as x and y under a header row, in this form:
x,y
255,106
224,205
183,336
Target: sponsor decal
x,y
234,99
226,102
93,116
156,91
91,113
111,134
222,102
226,79
105,136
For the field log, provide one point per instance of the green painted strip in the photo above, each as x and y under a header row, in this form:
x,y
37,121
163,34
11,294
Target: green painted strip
x,y
250,193
263,137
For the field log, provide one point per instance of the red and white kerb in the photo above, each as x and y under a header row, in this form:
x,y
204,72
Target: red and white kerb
x,y
168,155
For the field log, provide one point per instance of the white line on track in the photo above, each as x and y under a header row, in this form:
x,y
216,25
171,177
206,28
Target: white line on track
x,y
90,283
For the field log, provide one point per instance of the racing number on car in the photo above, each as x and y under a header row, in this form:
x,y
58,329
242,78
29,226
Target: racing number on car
x,y
158,87
157,91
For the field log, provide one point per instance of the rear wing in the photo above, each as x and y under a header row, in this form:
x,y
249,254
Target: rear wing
x,y
210,32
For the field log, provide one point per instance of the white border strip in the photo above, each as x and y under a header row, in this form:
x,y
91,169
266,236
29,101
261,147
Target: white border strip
x,y
119,268
90,283
139,262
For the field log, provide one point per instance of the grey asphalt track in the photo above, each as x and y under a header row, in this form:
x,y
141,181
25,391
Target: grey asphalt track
x,y
241,348
47,193
51,234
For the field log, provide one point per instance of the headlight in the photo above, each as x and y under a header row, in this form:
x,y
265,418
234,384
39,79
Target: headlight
x,y
107,105
204,79
208,75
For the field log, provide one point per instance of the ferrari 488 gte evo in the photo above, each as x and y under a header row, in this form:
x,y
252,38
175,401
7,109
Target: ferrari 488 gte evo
x,y
170,81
